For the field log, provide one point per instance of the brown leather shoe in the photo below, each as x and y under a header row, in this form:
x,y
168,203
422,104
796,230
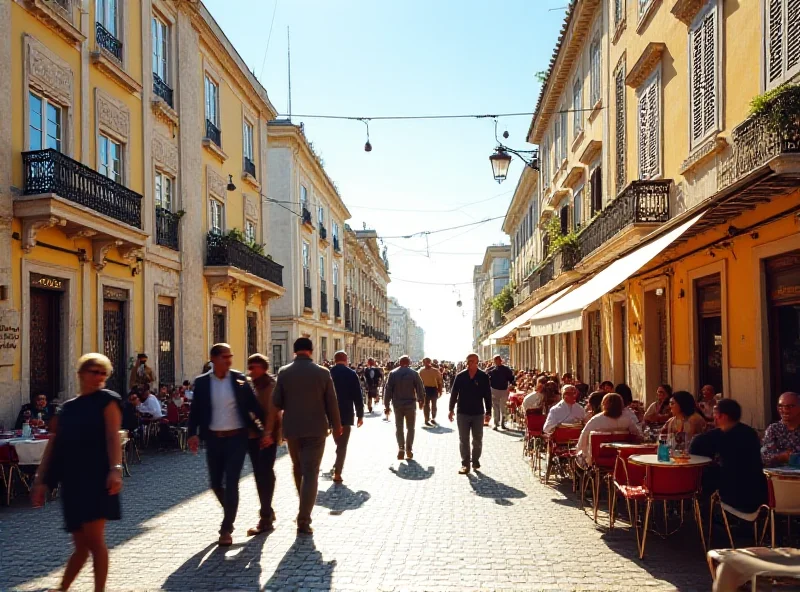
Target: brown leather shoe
x,y
225,540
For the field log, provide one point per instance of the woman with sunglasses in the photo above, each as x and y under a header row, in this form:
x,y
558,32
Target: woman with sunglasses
x,y
84,458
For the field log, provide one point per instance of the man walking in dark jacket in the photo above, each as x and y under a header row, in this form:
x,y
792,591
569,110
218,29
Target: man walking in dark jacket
x,y
500,378
404,387
223,409
305,393
348,393
473,395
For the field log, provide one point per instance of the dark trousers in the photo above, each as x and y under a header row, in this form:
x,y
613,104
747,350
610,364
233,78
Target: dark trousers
x,y
470,425
263,461
407,415
341,449
306,455
225,458
431,397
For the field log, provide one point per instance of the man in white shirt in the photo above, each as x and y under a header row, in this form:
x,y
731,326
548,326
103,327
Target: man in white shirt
x,y
565,411
150,405
535,400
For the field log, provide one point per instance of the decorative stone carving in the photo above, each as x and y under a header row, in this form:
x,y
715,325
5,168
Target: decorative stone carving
x,y
251,208
32,226
165,153
113,115
100,250
216,183
48,73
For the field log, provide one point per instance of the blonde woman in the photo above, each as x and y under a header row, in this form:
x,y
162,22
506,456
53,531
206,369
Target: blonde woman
x,y
85,457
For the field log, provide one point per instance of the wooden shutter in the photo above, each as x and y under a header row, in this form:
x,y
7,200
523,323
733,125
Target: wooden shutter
x,y
774,40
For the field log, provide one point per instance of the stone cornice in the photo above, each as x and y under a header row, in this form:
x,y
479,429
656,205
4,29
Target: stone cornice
x,y
645,65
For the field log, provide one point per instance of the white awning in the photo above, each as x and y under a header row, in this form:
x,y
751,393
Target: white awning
x,y
523,318
566,314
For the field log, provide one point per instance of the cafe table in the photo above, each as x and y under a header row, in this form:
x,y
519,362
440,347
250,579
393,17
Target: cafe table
x,y
671,481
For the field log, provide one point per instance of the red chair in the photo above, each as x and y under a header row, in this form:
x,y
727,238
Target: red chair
x,y
603,460
560,446
672,482
534,422
627,480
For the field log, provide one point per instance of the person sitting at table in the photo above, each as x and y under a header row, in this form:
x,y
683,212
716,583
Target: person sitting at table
x,y
566,411
37,413
658,412
706,402
594,404
685,418
624,391
610,419
149,406
782,439
535,399
739,476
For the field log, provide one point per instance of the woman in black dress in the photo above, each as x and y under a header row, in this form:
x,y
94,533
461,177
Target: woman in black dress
x,y
85,457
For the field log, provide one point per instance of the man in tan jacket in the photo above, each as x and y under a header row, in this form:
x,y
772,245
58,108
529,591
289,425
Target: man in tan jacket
x,y
262,456
306,395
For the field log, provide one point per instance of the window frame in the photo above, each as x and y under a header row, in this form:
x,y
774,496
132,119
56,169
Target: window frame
x,y
44,119
109,141
710,6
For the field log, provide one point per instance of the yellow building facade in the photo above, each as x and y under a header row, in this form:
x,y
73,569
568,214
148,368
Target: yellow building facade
x,y
131,213
683,161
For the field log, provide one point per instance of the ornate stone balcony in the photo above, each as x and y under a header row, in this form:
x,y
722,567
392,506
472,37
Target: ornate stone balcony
x,y
59,191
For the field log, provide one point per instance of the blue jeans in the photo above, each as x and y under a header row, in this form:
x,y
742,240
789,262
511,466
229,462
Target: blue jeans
x,y
225,459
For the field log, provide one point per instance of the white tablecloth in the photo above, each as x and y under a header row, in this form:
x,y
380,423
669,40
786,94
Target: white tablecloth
x,y
29,452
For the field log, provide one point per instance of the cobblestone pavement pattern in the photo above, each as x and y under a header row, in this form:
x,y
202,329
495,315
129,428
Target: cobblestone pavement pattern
x,y
392,526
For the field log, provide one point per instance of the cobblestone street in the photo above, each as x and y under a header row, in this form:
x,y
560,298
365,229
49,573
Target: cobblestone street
x,y
393,525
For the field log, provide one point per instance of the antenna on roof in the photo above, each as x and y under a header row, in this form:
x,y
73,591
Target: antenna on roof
x,y
289,63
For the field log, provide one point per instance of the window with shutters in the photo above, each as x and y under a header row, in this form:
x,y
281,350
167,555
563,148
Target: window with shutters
x,y
649,128
782,40
595,65
577,107
619,125
703,75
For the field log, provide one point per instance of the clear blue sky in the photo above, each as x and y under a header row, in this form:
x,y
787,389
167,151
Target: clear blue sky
x,y
368,58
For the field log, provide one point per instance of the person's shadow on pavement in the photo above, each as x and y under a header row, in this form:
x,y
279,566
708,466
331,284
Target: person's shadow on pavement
x,y
340,498
216,567
302,567
411,470
485,486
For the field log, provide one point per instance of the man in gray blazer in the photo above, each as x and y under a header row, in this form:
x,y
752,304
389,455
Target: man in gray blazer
x,y
405,390
306,395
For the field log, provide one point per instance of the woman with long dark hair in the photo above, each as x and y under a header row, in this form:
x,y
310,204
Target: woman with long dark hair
x,y
84,458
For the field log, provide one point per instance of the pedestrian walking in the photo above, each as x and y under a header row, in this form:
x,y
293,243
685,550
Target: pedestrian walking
x,y
85,458
433,383
373,376
306,395
262,452
348,394
501,378
404,390
472,395
224,409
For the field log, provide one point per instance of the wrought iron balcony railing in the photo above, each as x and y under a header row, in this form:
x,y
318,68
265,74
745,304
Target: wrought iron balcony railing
x,y
162,89
307,217
225,250
167,229
249,167
758,139
323,232
323,297
50,171
337,308
213,133
307,297
641,202
108,41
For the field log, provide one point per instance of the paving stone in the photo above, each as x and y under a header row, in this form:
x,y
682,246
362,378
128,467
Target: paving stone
x,y
393,525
